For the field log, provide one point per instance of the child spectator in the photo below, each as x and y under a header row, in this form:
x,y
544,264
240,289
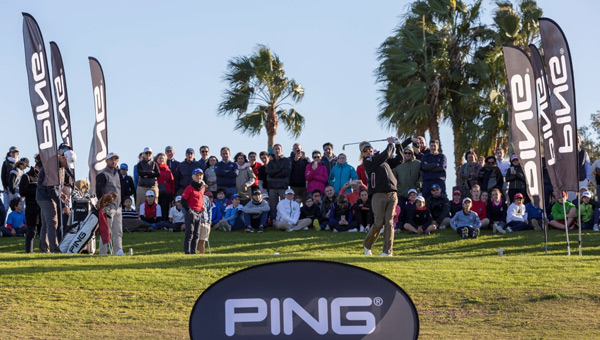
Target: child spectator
x,y
419,220
177,216
496,211
221,202
466,222
312,211
455,206
150,212
288,214
198,211
15,223
216,213
558,213
589,211
131,219
439,206
516,215
363,213
232,219
328,200
478,206
534,216
408,207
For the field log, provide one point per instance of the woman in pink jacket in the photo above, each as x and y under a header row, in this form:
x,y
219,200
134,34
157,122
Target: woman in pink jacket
x,y
316,174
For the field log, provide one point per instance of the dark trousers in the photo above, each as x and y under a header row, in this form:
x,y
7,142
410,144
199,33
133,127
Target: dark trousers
x,y
32,218
49,231
164,200
256,220
363,217
518,226
192,232
347,227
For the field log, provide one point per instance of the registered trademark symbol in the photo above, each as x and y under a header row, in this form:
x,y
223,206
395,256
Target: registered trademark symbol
x,y
562,51
378,301
527,70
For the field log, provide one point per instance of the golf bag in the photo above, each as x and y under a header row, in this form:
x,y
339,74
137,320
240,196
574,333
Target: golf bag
x,y
80,237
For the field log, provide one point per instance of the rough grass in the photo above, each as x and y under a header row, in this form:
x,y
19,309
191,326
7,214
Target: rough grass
x,y
461,288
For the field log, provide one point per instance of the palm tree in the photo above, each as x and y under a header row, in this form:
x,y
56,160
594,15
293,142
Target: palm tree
x,y
257,92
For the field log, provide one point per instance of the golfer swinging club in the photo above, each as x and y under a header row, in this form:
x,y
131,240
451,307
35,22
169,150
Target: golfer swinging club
x,y
384,198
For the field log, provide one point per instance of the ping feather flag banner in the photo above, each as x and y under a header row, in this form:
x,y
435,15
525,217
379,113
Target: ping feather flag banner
x,y
60,93
99,147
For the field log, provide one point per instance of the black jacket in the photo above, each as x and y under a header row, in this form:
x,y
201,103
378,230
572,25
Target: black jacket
x,y
183,176
127,188
278,173
297,177
28,186
381,178
439,207
148,172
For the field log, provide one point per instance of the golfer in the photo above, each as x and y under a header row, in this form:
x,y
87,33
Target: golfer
x,y
384,198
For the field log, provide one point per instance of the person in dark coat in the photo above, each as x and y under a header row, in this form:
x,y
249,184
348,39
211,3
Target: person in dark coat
x,y
127,185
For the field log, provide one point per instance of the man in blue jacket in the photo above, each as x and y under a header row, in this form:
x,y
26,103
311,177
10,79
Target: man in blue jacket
x,y
433,169
226,172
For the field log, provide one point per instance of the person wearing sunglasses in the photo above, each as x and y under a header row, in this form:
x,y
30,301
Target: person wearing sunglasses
x,y
408,176
315,174
148,173
490,176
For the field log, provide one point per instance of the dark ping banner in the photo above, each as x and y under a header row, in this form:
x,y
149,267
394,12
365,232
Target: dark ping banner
x,y
40,95
524,120
99,147
562,103
60,93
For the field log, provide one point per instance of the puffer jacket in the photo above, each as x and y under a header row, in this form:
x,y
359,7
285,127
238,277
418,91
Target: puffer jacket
x,y
278,173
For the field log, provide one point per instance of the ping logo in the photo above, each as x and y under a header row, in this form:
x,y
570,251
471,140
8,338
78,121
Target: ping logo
x,y
289,307
38,71
304,300
521,89
61,99
559,78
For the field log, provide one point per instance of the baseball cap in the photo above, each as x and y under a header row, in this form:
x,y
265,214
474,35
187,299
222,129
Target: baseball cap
x,y
178,198
289,191
420,198
467,199
513,157
124,166
189,150
256,192
435,186
150,193
13,149
518,195
61,146
208,194
412,191
111,155
71,158
147,149
197,171
456,192
586,194
235,196
169,148
363,145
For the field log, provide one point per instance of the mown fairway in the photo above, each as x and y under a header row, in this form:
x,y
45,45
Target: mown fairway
x,y
461,288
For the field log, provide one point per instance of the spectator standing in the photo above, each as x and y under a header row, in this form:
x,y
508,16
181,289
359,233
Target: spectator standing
x,y
14,177
263,182
342,173
148,173
255,166
315,174
127,185
166,184
516,179
433,167
245,178
329,159
226,171
278,176
27,189
382,189
210,175
468,173
490,176
171,162
297,174
136,176
12,156
408,175
106,182
204,155
183,176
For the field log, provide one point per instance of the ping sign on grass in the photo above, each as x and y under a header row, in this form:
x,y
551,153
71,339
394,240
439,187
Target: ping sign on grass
x,y
304,300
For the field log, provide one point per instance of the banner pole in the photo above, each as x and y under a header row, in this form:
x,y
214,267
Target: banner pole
x,y
566,227
579,219
545,231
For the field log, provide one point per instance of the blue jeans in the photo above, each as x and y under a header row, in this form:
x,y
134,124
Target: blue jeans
x,y
256,220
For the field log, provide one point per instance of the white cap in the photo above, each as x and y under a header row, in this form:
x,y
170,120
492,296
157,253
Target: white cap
x,y
466,199
71,158
586,194
420,198
150,193
289,191
412,190
178,198
111,155
147,149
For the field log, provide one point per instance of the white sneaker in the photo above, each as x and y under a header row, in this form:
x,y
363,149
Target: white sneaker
x,y
509,229
494,228
596,228
500,230
385,254
362,229
367,228
368,252
353,230
120,253
397,231
442,227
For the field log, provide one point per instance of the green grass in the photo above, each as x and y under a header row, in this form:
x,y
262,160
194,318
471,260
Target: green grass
x,y
461,288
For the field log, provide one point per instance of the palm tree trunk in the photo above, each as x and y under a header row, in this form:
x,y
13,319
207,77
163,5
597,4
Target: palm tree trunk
x,y
458,153
271,126
434,127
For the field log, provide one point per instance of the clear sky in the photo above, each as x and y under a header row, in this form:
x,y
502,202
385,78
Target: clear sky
x,y
164,64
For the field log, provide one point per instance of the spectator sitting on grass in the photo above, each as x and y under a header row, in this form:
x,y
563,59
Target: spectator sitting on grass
x,y
328,200
496,212
340,216
256,213
362,211
221,202
419,220
439,206
455,206
466,222
312,211
177,216
131,219
233,216
534,216
150,212
15,223
357,186
589,212
516,215
478,206
288,214
408,207
558,213
216,213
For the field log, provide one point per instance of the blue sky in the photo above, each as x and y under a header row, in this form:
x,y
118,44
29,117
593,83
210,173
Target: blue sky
x,y
164,64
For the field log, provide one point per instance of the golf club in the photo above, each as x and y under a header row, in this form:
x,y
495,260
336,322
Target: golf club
x,y
370,141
